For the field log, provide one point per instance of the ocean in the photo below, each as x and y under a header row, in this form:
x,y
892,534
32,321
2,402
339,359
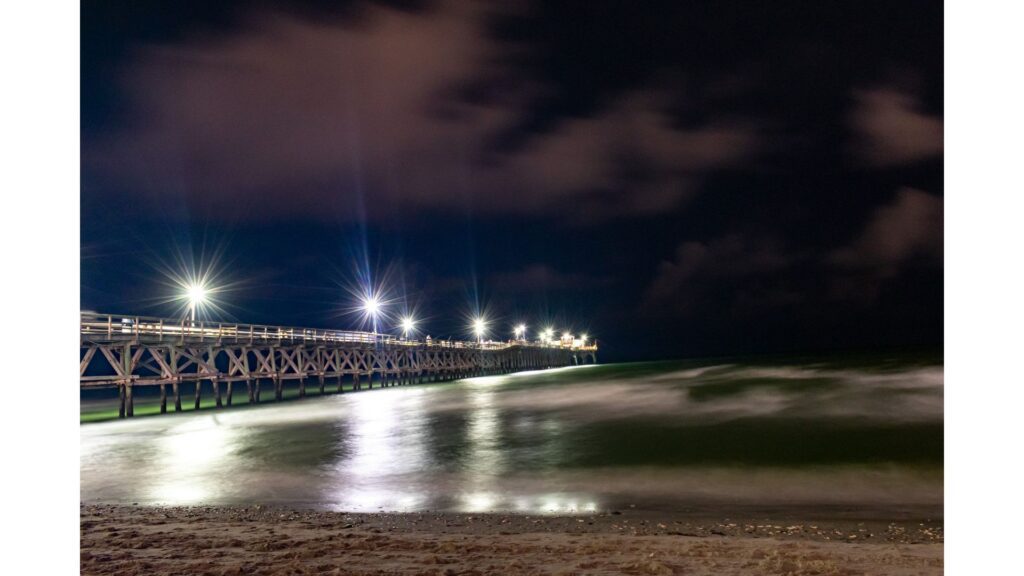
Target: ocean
x,y
863,434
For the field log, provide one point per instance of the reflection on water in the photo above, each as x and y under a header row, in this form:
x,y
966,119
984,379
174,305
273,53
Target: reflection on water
x,y
484,440
386,432
560,441
190,461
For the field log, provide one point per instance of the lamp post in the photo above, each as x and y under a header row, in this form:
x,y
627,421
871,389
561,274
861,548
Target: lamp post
x,y
371,306
479,328
520,332
196,296
407,326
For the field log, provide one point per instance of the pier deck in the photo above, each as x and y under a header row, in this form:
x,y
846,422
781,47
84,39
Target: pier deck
x,y
130,351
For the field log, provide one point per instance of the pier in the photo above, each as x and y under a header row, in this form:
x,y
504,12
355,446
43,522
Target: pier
x,y
126,352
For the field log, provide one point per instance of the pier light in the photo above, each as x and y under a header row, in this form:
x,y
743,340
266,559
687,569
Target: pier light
x,y
196,294
479,327
583,339
520,331
372,308
371,304
548,333
408,324
566,335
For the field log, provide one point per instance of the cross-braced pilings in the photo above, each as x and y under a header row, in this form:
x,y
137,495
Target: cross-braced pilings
x,y
127,352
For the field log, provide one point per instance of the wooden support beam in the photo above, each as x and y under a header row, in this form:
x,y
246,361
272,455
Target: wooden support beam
x,y
84,364
216,390
129,363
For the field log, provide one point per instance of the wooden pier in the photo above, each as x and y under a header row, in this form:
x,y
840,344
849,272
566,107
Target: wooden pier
x,y
130,351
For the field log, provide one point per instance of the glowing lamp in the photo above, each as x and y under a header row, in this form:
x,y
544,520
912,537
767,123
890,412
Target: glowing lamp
x,y
371,304
196,294
408,324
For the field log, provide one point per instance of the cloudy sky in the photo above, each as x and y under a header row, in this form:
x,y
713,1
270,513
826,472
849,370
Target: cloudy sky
x,y
676,178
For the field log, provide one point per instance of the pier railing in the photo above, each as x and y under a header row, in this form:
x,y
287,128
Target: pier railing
x,y
114,327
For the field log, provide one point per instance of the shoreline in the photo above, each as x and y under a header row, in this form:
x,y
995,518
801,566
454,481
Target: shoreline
x,y
259,539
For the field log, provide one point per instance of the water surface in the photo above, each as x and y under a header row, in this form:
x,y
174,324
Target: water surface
x,y
654,435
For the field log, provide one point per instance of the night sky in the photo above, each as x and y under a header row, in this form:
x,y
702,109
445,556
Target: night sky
x,y
677,179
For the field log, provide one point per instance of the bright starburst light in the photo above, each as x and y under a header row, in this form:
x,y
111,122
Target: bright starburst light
x,y
479,327
372,307
195,283
371,304
408,324
196,294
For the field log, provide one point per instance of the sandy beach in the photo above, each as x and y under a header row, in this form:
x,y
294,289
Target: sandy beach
x,y
128,540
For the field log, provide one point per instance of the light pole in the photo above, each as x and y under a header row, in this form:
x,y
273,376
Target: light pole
x,y
371,306
479,328
196,296
520,332
407,326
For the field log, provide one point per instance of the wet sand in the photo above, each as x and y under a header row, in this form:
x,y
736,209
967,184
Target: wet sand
x,y
129,540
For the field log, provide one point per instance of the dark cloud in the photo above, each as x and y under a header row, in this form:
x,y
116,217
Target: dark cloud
x,y
735,274
910,226
702,268
908,231
288,117
893,129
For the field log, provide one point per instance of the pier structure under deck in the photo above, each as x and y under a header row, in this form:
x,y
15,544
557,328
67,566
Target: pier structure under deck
x,y
126,352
